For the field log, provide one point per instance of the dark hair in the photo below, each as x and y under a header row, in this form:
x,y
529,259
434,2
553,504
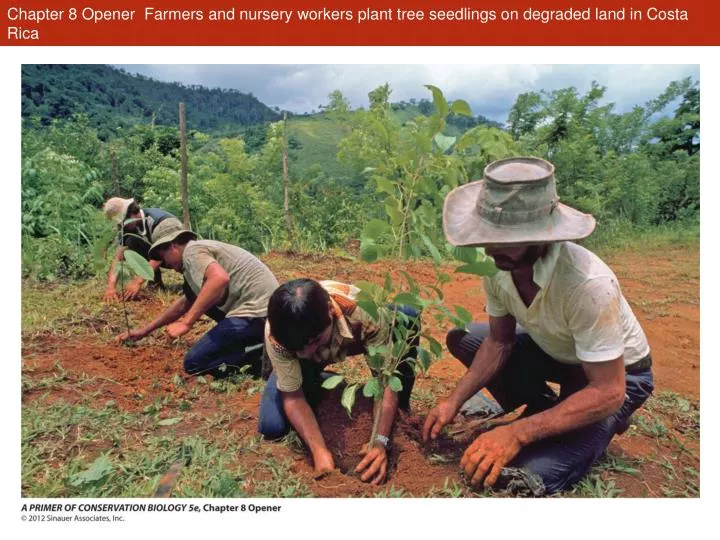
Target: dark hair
x,y
134,208
298,312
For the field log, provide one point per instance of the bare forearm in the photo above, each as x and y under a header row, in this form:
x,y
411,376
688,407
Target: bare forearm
x,y
582,408
113,275
173,313
389,409
302,418
488,361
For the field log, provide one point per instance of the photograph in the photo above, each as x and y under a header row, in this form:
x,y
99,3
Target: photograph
x,y
273,281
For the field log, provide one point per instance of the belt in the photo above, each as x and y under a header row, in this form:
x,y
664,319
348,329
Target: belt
x,y
643,364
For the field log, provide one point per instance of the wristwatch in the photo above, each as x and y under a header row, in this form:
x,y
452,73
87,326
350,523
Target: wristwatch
x,y
382,439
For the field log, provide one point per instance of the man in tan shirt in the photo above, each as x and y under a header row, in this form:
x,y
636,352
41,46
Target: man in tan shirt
x,y
222,281
310,326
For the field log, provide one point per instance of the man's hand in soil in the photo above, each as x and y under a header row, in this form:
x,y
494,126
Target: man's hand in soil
x,y
323,462
177,329
375,466
489,453
111,295
132,335
132,290
438,417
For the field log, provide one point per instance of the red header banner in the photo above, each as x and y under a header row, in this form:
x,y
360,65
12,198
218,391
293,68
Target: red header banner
x,y
359,22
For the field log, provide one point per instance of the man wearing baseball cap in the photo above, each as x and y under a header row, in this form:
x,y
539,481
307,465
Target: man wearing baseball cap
x,y
224,282
137,225
556,314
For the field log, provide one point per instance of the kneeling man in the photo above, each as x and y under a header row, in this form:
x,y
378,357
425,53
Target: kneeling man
x,y
556,313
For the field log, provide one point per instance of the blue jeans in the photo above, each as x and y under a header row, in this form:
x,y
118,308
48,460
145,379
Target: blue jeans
x,y
227,343
562,460
272,421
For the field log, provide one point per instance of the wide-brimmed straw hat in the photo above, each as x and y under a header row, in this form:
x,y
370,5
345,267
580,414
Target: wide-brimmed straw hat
x,y
116,209
165,232
516,203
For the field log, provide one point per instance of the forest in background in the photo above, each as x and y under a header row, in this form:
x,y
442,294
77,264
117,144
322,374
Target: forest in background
x,y
91,132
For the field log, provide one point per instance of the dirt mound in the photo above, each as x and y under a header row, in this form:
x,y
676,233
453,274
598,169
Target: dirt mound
x,y
411,468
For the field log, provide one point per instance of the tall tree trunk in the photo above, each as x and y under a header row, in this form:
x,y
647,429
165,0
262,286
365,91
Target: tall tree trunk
x,y
183,168
286,183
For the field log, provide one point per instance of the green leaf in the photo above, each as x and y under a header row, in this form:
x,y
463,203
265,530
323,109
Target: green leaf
x,y
481,268
383,185
374,229
169,421
426,214
465,254
369,250
370,307
425,359
139,265
99,469
377,350
375,362
437,257
428,186
367,288
348,398
465,316
461,107
387,287
441,104
410,281
371,388
395,384
444,142
393,212
435,347
332,382
407,299
440,294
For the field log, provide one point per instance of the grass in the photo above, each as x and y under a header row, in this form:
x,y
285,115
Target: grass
x,y
451,489
594,485
282,483
611,237
392,492
76,450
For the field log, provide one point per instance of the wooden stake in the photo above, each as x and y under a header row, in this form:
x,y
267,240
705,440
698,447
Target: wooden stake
x,y
183,168
286,182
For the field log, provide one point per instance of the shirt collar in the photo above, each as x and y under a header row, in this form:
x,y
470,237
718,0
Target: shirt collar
x,y
544,267
341,326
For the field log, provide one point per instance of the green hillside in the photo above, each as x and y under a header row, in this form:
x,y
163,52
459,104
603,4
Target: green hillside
x,y
111,97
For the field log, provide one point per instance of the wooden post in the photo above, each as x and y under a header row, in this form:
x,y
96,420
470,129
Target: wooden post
x,y
183,168
113,160
286,181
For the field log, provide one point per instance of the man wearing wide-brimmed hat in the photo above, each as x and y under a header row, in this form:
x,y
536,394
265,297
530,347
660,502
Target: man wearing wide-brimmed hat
x,y
222,281
556,314
137,226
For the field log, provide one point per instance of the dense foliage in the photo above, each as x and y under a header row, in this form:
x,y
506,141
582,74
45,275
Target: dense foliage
x,y
110,98
389,163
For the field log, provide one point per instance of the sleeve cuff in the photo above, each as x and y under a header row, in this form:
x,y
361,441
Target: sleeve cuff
x,y
600,356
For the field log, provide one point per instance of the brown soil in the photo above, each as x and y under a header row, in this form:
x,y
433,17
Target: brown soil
x,y
663,294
